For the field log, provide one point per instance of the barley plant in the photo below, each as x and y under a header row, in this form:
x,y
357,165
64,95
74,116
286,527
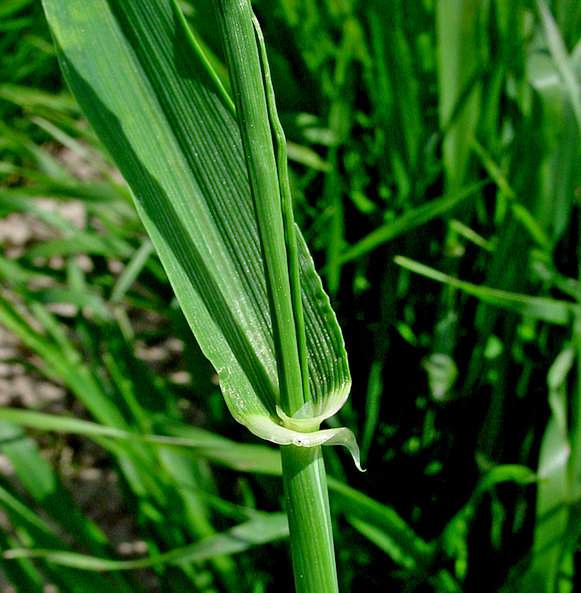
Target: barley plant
x,y
211,186
178,411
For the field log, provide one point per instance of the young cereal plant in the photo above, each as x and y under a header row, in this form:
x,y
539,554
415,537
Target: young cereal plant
x,y
210,182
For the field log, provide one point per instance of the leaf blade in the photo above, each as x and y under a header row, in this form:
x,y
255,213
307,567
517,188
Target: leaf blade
x,y
166,121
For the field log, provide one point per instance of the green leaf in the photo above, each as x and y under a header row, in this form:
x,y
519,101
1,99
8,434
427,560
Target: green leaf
x,y
196,438
406,546
555,493
459,56
409,221
37,532
41,483
264,529
169,125
545,309
561,59
519,210
454,538
131,272
386,542
256,459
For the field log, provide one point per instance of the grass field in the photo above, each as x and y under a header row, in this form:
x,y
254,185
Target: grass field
x,y
434,162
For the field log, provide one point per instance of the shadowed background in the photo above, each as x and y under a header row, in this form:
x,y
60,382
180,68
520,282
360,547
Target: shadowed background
x,y
444,131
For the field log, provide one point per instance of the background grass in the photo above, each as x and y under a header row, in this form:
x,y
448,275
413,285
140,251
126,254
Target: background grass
x,y
444,132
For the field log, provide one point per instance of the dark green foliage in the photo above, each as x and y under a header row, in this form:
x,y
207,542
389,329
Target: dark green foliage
x,y
445,133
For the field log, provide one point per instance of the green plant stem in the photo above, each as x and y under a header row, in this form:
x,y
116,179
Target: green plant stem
x,y
246,76
305,481
313,554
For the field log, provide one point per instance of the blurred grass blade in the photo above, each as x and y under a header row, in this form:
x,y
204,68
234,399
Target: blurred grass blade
x,y
457,24
69,425
131,272
545,309
372,406
169,125
65,424
562,61
409,221
36,531
519,210
471,235
43,485
452,541
22,573
32,98
256,459
385,542
555,490
39,479
407,547
257,532
351,502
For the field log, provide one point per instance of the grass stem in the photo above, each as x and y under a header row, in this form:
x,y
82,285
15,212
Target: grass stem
x,y
305,484
250,98
305,481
